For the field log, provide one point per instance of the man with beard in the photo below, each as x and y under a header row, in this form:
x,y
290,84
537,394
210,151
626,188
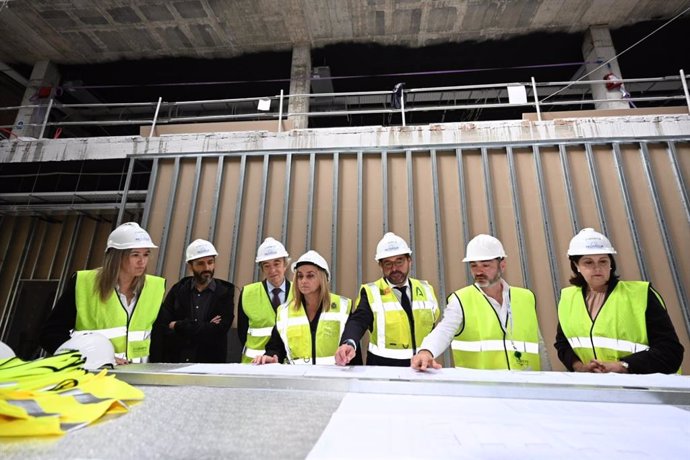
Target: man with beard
x,y
193,322
399,311
489,324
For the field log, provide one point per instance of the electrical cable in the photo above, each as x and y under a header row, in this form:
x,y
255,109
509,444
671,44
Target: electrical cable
x,y
619,54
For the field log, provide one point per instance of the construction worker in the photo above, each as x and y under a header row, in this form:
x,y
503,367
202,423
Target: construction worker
x,y
196,315
399,311
489,324
609,325
118,300
256,313
308,326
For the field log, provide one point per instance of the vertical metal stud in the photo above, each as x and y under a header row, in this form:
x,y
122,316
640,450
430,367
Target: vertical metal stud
x,y
517,213
191,218
666,239
310,200
334,221
125,192
216,200
440,260
149,193
680,182
595,188
286,198
238,216
360,181
629,210
262,206
168,217
488,191
410,208
464,216
543,199
384,190
55,250
565,169
64,274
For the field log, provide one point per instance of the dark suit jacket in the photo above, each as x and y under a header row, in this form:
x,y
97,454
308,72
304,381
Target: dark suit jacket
x,y
193,341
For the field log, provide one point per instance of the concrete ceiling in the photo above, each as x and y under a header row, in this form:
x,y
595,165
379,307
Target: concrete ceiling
x,y
91,31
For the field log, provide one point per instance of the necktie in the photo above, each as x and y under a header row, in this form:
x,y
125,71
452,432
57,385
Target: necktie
x,y
404,300
275,299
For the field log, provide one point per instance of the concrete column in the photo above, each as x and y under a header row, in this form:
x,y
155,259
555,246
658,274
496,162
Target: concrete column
x,y
597,49
43,75
300,84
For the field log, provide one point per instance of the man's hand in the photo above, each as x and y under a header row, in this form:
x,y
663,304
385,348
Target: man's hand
x,y
592,366
216,319
424,360
265,359
171,326
610,366
344,354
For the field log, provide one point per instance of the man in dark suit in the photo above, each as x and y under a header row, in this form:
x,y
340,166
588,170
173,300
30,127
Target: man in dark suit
x,y
256,313
193,322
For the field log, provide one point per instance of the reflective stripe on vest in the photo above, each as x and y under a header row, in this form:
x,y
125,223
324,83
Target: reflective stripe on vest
x,y
293,327
262,317
391,336
619,329
482,343
131,337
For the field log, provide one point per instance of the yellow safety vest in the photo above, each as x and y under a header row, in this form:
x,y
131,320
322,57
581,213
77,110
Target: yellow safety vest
x,y
482,343
619,329
391,336
293,327
131,337
262,317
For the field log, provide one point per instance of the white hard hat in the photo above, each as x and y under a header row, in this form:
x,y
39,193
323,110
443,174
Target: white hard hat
x,y
484,247
314,258
129,236
200,248
6,351
589,241
391,245
270,249
94,347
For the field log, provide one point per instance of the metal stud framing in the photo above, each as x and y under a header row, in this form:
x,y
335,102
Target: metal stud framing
x,y
37,234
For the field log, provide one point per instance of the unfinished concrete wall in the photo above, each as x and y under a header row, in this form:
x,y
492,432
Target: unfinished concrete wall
x,y
534,197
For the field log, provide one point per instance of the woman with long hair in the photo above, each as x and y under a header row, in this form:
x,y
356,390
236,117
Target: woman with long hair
x,y
308,326
609,325
118,300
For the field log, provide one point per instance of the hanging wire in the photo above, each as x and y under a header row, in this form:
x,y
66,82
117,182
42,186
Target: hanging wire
x,y
619,54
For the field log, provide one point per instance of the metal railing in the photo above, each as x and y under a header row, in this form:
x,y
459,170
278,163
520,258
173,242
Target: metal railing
x,y
537,96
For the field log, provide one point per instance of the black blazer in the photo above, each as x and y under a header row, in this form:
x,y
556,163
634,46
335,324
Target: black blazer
x,y
193,341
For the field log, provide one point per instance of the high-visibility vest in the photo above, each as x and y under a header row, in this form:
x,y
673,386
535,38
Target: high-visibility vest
x,y
293,327
391,336
131,337
262,317
481,343
619,329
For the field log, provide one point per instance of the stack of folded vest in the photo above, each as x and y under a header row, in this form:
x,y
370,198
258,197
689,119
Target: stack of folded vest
x,y
55,395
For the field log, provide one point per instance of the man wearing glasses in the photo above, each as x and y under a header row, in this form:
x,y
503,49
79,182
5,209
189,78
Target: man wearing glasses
x,y
489,324
398,311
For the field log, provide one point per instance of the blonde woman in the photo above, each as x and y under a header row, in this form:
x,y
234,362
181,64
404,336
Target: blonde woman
x,y
309,326
118,300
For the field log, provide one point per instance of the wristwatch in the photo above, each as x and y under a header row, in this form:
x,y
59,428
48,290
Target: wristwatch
x,y
625,364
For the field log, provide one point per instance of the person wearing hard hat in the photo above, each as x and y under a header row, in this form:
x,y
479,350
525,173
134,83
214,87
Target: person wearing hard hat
x,y
256,313
197,313
118,300
399,311
309,325
489,324
609,325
